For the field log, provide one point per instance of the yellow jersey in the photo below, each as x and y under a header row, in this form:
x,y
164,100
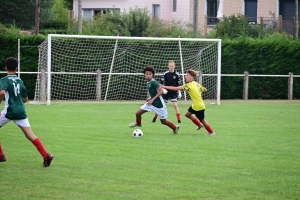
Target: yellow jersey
x,y
195,90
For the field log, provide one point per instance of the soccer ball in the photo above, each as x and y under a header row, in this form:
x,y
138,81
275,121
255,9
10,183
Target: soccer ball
x,y
137,133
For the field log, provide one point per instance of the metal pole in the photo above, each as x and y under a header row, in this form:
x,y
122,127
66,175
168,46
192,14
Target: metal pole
x,y
297,23
79,16
196,17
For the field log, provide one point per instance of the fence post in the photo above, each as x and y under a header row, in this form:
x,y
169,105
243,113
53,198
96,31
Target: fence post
x,y
200,77
290,87
280,24
261,21
246,84
98,85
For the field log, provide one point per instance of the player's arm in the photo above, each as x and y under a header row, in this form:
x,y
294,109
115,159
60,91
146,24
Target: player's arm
x,y
2,93
160,92
172,87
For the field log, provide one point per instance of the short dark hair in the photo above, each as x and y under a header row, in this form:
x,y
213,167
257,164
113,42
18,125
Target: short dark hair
x,y
11,63
150,69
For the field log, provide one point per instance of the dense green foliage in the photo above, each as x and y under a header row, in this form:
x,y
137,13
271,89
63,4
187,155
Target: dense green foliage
x,y
236,26
274,55
245,47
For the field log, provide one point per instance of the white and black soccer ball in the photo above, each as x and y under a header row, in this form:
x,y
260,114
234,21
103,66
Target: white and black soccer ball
x,y
137,133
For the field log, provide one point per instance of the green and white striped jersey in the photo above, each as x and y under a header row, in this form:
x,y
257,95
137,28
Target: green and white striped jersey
x,y
15,91
152,87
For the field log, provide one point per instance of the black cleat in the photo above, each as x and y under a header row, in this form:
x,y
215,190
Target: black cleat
x,y
47,160
179,121
153,120
3,158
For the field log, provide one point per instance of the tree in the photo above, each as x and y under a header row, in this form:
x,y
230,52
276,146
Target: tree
x,y
22,13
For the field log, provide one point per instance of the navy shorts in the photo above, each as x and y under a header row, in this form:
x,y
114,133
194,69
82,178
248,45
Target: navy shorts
x,y
170,95
199,114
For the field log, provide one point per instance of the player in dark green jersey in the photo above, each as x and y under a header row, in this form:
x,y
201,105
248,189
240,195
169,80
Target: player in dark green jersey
x,y
13,90
155,102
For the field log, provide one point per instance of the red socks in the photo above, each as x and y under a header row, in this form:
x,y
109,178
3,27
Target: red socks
x,y
209,129
196,121
1,151
173,126
155,116
178,116
40,147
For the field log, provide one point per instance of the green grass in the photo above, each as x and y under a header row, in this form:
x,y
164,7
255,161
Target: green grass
x,y
254,155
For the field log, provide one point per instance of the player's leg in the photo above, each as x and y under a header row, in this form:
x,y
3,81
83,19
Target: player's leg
x,y
3,121
25,127
163,115
165,97
173,97
200,116
154,118
195,120
138,115
2,156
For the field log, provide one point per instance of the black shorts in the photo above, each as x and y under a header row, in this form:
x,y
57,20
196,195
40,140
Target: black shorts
x,y
170,95
199,114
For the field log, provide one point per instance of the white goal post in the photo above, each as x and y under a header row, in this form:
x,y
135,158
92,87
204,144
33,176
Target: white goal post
x,y
109,68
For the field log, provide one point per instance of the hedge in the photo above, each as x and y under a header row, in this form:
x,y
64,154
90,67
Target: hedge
x,y
273,55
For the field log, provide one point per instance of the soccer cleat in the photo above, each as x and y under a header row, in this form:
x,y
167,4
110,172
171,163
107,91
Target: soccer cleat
x,y
179,121
3,158
199,127
134,125
153,120
47,160
212,133
176,130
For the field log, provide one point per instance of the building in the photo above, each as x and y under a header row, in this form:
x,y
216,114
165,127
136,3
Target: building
x,y
204,13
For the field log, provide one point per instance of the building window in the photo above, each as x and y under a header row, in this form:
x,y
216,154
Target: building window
x,y
155,11
251,10
174,5
90,13
212,11
287,9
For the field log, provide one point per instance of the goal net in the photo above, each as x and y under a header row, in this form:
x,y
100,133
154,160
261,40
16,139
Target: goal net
x,y
108,68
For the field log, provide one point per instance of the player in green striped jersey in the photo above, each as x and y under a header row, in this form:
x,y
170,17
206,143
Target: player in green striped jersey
x,y
155,102
13,90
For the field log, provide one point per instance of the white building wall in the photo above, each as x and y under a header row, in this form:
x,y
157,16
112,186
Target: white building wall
x,y
166,7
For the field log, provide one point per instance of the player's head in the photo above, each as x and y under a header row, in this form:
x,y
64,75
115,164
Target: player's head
x,y
149,72
11,64
190,75
171,66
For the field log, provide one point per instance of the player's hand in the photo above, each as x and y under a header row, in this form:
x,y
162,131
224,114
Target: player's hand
x,y
149,102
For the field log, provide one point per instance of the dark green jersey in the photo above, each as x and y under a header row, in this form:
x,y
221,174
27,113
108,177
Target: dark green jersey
x,y
15,91
152,87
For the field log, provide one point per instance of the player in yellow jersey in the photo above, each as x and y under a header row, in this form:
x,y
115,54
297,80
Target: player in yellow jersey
x,y
198,107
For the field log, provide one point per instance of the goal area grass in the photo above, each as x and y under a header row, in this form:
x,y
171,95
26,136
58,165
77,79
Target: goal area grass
x,y
254,154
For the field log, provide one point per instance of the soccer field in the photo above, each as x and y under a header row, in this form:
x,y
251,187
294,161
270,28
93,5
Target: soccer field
x,y
255,153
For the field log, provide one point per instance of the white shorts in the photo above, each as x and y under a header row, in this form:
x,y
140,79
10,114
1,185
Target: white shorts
x,y
162,113
18,122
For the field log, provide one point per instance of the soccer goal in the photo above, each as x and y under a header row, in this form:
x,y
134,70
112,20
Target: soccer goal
x,y
109,68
